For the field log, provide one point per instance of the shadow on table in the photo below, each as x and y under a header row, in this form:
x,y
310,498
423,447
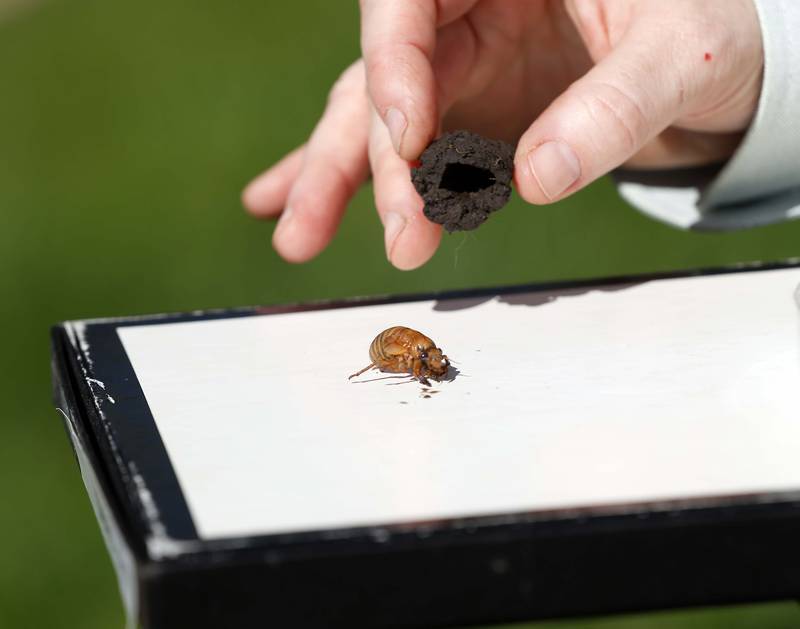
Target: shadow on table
x,y
529,298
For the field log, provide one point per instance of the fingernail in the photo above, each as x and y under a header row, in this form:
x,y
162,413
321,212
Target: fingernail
x,y
393,225
396,123
555,167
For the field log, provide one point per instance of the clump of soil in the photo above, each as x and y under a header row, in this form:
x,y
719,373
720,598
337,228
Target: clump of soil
x,y
463,177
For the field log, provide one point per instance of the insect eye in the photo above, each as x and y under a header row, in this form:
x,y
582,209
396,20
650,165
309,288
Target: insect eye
x,y
423,355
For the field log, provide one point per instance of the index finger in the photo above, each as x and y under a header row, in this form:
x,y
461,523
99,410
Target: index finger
x,y
398,40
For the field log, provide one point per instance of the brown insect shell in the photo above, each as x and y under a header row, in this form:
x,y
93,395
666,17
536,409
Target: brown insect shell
x,y
400,348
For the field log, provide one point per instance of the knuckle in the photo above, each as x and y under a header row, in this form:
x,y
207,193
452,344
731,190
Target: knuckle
x,y
316,197
339,90
396,64
377,67
616,110
350,82
342,181
306,204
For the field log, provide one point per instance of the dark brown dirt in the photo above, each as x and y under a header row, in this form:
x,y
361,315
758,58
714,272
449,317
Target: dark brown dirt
x,y
463,178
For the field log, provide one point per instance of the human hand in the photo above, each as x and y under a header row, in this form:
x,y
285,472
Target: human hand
x,y
582,87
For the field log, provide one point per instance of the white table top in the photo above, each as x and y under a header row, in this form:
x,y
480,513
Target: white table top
x,y
669,389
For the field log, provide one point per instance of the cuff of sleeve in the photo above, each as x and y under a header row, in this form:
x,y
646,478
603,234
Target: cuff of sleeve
x,y
760,184
767,161
679,206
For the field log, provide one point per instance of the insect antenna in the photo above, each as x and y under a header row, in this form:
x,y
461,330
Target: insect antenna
x,y
409,377
382,378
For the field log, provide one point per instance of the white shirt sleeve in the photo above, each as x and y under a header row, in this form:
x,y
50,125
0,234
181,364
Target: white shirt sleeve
x,y
760,184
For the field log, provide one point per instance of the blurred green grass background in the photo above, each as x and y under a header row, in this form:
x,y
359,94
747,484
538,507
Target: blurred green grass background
x,y
126,133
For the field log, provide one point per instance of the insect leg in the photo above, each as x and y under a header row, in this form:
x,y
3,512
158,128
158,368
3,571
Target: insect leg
x,y
358,373
416,371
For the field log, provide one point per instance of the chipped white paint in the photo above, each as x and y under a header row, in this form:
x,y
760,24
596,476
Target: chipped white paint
x,y
159,543
77,333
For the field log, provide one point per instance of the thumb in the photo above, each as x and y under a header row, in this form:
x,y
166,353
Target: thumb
x,y
601,120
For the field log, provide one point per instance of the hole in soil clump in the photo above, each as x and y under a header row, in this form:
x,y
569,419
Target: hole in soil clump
x,y
465,178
